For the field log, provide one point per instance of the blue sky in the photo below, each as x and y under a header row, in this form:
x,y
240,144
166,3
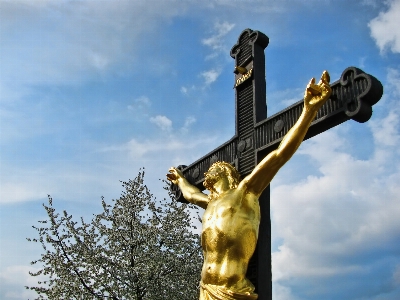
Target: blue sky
x,y
91,91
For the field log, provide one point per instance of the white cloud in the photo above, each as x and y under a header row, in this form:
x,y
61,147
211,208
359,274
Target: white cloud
x,y
74,180
188,90
210,76
140,107
282,292
184,90
207,77
20,275
393,79
162,122
140,149
98,60
58,42
330,221
396,275
188,122
216,41
12,278
12,192
96,171
172,148
385,131
385,28
284,98
372,3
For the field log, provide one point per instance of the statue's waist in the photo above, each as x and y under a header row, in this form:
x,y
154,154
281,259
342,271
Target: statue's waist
x,y
215,292
224,272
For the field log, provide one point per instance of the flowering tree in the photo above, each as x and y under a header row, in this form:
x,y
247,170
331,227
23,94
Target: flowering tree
x,y
136,248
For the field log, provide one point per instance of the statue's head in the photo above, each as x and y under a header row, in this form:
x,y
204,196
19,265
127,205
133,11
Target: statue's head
x,y
216,171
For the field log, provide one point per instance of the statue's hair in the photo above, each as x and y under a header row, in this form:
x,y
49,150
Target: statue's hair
x,y
230,172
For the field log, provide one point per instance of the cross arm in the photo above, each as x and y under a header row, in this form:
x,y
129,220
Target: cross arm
x,y
353,96
194,173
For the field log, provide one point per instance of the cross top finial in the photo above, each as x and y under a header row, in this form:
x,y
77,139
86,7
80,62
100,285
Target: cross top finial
x,y
243,50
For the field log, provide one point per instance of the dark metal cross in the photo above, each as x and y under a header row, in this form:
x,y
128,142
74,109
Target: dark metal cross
x,y
256,135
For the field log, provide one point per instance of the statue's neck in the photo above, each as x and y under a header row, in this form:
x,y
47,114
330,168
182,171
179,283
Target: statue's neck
x,y
221,186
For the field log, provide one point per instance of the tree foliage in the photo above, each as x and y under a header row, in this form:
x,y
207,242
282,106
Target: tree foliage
x,y
136,248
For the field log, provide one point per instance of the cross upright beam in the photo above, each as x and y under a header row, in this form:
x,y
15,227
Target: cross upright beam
x,y
353,96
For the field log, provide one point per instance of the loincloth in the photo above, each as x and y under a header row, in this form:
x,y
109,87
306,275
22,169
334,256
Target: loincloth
x,y
215,292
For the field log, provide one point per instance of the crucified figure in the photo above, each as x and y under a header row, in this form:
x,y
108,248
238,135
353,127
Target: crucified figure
x,y
232,213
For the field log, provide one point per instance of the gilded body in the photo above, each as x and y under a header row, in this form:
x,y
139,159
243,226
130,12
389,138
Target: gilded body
x,y
232,213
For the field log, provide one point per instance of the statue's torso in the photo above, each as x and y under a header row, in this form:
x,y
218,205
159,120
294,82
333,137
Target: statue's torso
x,y
229,237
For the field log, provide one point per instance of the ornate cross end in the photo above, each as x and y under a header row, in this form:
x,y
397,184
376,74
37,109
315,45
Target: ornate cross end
x,y
359,91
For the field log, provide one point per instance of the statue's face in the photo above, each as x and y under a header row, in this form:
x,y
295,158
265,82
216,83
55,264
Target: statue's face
x,y
212,176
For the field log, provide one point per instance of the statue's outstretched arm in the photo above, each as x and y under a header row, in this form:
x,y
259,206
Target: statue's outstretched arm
x,y
189,191
314,97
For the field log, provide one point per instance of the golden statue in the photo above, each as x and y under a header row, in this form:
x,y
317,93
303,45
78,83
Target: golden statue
x,y
232,213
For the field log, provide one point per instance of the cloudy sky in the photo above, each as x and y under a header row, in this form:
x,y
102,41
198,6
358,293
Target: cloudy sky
x,y
91,91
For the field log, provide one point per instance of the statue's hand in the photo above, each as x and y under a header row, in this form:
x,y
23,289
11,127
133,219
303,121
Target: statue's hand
x,y
174,175
316,95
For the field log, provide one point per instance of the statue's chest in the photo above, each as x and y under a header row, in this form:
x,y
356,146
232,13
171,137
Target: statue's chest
x,y
221,213
218,226
226,221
